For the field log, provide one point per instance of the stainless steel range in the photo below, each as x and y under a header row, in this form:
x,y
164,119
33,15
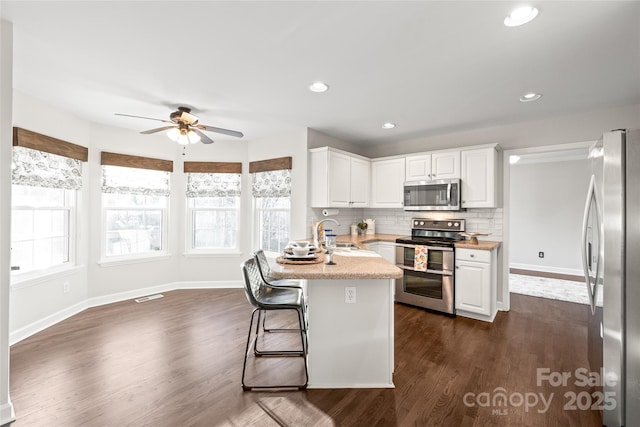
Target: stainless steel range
x,y
427,259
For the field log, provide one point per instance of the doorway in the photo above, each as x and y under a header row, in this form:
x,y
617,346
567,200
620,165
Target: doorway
x,y
544,193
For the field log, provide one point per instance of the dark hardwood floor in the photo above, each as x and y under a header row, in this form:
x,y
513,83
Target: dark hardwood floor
x,y
177,361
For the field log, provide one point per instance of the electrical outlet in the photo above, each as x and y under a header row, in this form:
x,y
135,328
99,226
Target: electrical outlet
x,y
540,254
65,287
350,295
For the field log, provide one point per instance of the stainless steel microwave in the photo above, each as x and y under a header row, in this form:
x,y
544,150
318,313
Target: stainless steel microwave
x,y
439,195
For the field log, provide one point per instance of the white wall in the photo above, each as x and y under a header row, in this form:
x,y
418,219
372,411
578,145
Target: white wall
x,y
113,278
34,300
37,304
6,85
546,207
316,139
293,144
219,270
560,129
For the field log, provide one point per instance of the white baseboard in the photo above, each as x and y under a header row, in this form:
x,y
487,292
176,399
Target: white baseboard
x,y
7,414
211,285
39,325
547,269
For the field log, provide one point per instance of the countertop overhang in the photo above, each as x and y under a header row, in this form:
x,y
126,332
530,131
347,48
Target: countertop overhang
x,y
347,267
355,267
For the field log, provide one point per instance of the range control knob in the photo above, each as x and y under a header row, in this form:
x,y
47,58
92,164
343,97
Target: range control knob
x,y
421,222
456,224
449,224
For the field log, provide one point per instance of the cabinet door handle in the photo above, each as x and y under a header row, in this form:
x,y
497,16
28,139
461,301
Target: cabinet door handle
x,y
457,267
471,255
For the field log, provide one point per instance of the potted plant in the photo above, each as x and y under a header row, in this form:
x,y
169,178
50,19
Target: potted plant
x,y
362,227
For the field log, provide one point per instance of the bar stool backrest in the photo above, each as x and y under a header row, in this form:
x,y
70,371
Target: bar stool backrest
x,y
263,265
254,286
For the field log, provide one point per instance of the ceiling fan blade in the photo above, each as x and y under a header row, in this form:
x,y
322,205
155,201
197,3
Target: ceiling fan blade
x,y
221,130
147,132
140,117
204,138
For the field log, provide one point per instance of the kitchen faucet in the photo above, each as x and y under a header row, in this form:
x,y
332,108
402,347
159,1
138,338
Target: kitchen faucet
x,y
316,237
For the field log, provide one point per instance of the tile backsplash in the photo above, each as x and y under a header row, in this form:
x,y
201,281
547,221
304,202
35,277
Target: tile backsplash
x,y
398,221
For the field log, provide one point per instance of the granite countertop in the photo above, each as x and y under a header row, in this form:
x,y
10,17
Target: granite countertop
x,y
353,266
367,266
484,245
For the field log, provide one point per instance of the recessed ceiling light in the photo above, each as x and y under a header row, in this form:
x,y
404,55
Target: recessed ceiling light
x,y
531,96
520,16
388,125
318,87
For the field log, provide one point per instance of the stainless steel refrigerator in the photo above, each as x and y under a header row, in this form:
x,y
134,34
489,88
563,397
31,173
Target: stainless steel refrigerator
x,y
611,258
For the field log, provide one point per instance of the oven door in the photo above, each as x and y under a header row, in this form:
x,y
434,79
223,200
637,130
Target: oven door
x,y
439,259
429,290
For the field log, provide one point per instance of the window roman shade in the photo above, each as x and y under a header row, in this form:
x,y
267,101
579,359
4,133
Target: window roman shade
x,y
213,179
43,161
271,178
124,174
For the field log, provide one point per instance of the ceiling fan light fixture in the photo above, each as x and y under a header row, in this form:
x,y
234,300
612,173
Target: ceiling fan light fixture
x,y
173,134
187,137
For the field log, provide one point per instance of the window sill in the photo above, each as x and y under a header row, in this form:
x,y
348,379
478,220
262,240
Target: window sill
x,y
25,280
218,254
132,260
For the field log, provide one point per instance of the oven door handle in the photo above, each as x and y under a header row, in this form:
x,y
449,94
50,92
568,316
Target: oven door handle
x,y
429,248
440,272
405,245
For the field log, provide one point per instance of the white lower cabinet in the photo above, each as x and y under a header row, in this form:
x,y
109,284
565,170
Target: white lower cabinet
x,y
475,283
385,249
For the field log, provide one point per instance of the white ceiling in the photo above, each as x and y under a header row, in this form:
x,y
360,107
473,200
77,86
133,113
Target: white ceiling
x,y
430,67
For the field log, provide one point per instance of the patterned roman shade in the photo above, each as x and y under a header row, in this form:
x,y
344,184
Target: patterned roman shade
x,y
40,169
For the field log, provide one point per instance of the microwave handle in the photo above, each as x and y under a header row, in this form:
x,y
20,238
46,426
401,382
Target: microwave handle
x,y
449,193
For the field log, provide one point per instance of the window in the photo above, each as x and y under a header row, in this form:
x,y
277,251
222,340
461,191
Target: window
x,y
272,203
43,216
42,227
213,217
135,205
274,219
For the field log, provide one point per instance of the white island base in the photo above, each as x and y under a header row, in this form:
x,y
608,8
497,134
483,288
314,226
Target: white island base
x,y
350,344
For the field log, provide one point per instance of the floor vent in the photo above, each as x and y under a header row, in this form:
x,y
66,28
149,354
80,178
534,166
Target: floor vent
x,y
149,298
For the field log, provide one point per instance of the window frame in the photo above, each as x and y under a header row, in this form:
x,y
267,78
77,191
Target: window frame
x,y
71,197
151,255
143,163
189,231
257,229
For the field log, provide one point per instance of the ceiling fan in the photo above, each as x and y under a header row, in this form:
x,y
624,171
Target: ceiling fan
x,y
184,128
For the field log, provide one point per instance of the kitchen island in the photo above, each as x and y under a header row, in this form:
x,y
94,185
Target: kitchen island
x,y
350,315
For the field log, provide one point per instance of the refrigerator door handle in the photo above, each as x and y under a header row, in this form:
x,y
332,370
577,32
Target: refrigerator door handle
x,y
592,282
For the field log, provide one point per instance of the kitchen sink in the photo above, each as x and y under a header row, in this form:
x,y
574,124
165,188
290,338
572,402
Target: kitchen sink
x,y
347,247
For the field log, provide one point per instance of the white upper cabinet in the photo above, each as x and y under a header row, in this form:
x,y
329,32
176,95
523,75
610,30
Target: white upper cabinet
x,y
436,165
478,177
418,168
338,179
360,182
387,179
445,165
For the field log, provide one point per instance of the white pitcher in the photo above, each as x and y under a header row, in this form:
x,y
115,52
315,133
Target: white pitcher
x,y
371,226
